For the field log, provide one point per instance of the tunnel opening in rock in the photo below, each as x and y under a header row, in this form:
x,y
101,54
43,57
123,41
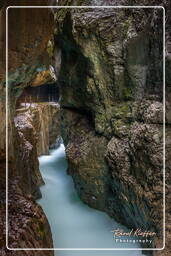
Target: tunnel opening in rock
x,y
41,93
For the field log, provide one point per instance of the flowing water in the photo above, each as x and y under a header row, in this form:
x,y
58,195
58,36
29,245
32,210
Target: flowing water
x,y
73,223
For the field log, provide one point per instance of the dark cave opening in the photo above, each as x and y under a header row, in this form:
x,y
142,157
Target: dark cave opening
x,y
41,93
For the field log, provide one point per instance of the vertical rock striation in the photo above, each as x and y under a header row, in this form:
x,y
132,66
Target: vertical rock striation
x,y
29,33
38,127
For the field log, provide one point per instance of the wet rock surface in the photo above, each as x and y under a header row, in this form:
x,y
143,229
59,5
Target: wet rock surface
x,y
26,221
111,85
111,76
28,225
27,54
28,57
85,153
136,177
38,126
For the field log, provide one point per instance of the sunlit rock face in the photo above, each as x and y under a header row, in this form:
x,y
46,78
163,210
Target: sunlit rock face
x,y
111,76
42,78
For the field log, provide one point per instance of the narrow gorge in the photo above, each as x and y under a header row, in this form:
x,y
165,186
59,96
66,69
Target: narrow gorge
x,y
85,127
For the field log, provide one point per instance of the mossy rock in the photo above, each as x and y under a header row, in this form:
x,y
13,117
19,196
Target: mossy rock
x,y
120,128
123,111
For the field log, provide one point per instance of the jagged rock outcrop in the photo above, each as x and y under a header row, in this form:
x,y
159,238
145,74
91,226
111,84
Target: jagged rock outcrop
x,y
85,152
27,161
112,91
38,127
27,224
45,120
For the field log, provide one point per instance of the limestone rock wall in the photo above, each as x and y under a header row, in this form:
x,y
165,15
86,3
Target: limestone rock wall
x,y
85,152
29,33
27,224
111,86
112,91
38,127
46,122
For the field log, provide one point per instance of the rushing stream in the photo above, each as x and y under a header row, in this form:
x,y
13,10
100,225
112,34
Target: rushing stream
x,y
73,223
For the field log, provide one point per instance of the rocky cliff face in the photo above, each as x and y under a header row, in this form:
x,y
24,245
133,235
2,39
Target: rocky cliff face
x,y
29,33
28,56
112,110
111,87
27,224
45,120
38,127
